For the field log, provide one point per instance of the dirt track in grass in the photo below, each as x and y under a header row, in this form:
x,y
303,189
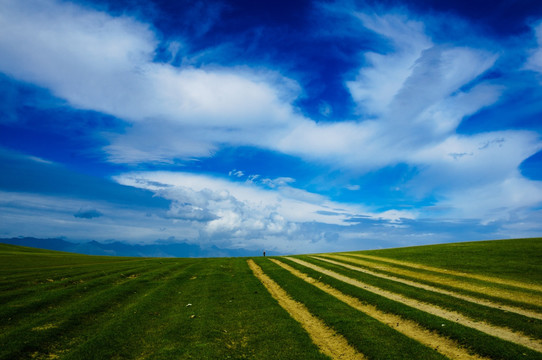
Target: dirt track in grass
x,y
472,299
499,332
413,330
452,272
327,340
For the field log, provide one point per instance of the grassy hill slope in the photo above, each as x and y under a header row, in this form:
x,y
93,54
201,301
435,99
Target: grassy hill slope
x,y
515,259
465,301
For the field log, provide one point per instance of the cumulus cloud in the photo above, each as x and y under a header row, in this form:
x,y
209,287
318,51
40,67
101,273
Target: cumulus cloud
x,y
52,216
221,196
245,214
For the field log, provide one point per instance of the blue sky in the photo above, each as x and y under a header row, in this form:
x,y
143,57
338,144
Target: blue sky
x,y
294,127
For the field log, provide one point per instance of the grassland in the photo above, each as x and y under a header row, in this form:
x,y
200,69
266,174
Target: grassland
x,y
480,300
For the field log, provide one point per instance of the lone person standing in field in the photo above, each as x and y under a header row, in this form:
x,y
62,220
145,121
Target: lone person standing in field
x,y
264,253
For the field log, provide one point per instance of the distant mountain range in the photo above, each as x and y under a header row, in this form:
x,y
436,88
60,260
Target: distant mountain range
x,y
117,248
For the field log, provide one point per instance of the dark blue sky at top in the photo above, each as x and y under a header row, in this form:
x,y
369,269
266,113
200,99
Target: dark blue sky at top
x,y
321,49
267,35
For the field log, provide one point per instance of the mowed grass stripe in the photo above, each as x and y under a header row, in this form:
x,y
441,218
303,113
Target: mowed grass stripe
x,y
367,335
77,296
234,318
409,328
522,297
31,279
499,332
330,343
7,274
62,282
117,334
58,260
486,278
528,326
48,325
476,300
41,281
453,279
15,311
475,341
35,297
66,282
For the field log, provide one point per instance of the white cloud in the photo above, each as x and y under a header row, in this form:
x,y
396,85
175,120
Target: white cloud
x,y
441,118
434,83
504,200
52,216
461,162
294,205
413,90
414,94
418,93
345,143
534,62
278,182
104,63
396,216
377,84
99,62
242,214
236,173
84,56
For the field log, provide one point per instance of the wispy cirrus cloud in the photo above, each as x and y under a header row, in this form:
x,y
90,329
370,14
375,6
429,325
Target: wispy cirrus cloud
x,y
412,95
414,91
91,59
534,62
412,118
378,82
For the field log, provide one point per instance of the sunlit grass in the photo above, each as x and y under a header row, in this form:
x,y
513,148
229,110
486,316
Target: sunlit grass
x,y
69,306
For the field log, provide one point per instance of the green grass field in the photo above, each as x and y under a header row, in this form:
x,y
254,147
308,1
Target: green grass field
x,y
476,300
